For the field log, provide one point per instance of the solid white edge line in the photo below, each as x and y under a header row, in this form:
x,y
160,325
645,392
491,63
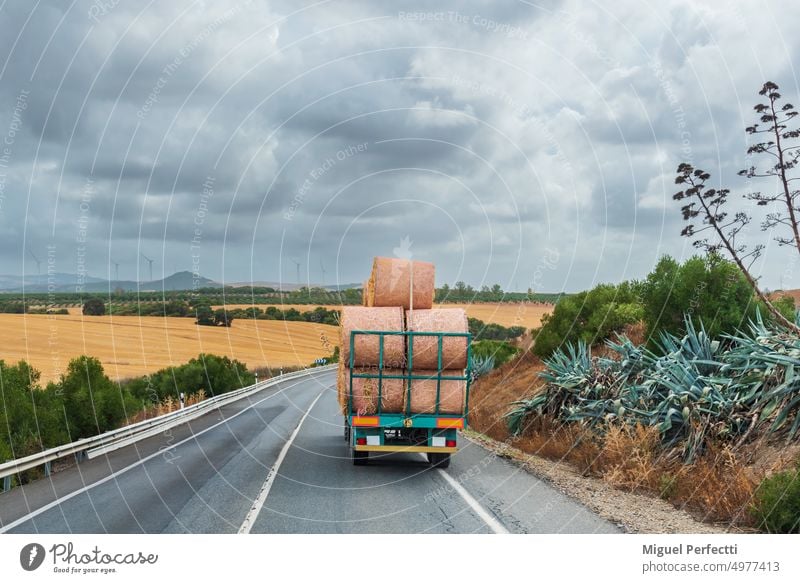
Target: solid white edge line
x,y
58,501
258,504
494,524
490,520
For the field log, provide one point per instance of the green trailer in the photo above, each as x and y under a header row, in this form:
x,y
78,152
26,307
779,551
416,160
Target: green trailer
x,y
434,434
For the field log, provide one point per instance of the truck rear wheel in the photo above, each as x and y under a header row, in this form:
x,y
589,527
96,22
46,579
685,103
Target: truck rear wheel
x,y
360,458
439,460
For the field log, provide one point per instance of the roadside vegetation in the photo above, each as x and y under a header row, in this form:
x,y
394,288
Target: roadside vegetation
x,y
683,385
84,402
492,345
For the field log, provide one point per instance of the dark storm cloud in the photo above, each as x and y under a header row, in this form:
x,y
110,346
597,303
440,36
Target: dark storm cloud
x,y
487,134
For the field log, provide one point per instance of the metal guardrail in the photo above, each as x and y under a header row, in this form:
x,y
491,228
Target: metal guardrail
x,y
90,447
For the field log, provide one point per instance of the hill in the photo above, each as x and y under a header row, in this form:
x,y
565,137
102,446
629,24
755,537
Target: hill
x,y
69,283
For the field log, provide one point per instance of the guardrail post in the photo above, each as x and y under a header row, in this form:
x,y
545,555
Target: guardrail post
x,y
6,483
46,469
80,456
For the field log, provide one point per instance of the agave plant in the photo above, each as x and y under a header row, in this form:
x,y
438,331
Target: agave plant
x,y
695,390
481,365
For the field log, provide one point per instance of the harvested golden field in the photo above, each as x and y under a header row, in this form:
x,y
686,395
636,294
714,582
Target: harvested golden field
x,y
130,346
792,293
528,315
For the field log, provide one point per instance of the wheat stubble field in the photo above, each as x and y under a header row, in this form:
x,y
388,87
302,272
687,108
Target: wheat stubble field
x,y
131,346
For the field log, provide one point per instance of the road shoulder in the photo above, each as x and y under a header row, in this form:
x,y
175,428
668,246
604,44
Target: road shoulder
x,y
633,513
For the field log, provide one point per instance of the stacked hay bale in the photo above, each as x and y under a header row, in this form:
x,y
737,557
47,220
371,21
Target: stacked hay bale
x,y
399,296
366,359
425,361
400,282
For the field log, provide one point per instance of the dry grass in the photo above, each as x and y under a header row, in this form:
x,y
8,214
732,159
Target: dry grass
x,y
528,315
629,458
130,346
168,405
717,486
491,396
559,442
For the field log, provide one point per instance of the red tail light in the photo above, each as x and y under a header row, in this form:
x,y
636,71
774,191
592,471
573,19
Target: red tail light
x,y
361,441
450,443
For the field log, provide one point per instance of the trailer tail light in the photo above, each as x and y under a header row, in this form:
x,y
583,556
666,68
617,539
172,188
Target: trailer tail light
x,y
361,441
450,443
445,423
366,421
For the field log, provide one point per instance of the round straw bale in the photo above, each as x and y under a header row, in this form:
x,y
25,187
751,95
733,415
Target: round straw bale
x,y
367,346
451,394
341,386
365,392
426,348
390,283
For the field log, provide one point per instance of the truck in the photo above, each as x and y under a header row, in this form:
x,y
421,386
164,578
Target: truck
x,y
434,434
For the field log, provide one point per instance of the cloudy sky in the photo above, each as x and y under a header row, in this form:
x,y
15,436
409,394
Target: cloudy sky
x,y
530,144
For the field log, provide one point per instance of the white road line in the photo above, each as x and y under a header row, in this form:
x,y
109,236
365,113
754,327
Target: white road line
x,y
55,503
494,524
490,520
258,504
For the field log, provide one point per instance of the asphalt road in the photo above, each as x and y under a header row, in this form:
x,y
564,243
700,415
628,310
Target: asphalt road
x,y
277,462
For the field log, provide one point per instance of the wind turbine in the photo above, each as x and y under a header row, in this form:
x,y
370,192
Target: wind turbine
x,y
151,264
322,267
297,264
116,270
38,263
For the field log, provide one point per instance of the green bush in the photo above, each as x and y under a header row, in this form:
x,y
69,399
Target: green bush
x,y
94,307
589,316
31,419
710,290
500,351
480,330
93,403
214,374
12,308
777,503
205,315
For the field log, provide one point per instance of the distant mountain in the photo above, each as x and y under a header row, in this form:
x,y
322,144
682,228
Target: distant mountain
x,y
68,282
182,280
32,283
284,286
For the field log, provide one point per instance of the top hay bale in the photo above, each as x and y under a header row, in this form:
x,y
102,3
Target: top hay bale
x,y
390,284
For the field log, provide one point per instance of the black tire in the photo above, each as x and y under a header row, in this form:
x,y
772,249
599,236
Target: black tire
x,y
439,460
346,432
360,458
